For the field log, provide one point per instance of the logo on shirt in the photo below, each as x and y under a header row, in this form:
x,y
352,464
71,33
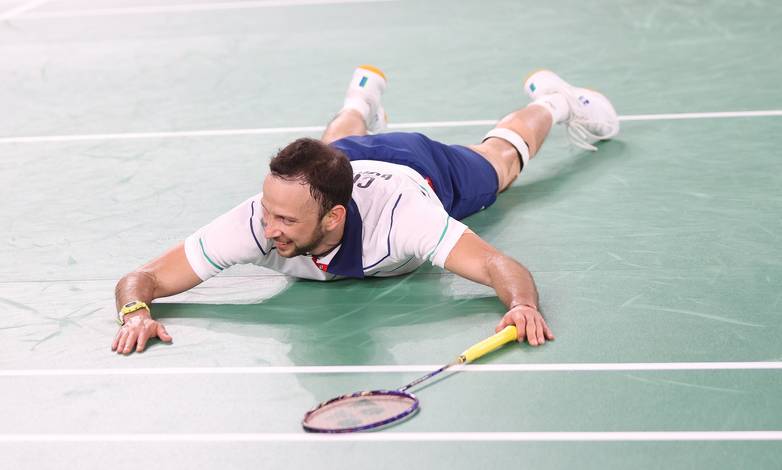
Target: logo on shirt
x,y
322,266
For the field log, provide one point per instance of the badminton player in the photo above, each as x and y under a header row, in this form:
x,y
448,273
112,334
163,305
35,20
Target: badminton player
x,y
360,203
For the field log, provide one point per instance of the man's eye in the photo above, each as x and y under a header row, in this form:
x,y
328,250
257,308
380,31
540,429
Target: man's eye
x,y
286,221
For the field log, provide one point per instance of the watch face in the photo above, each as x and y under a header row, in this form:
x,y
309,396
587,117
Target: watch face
x,y
129,304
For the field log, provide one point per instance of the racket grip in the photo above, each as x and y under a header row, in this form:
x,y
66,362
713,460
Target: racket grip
x,y
489,344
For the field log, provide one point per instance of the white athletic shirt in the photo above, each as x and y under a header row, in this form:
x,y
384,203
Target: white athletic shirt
x,y
395,223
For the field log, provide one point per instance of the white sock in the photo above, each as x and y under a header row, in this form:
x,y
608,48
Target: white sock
x,y
556,104
357,104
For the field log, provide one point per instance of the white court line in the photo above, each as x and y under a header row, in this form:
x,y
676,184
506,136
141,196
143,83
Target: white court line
x,y
404,437
188,8
725,114
160,135
308,129
21,9
585,367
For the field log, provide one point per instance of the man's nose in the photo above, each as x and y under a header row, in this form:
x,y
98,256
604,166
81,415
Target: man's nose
x,y
270,229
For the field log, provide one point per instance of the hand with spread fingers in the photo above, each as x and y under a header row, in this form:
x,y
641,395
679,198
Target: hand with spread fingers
x,y
137,329
530,324
167,275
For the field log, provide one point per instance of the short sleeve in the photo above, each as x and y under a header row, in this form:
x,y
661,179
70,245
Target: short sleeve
x,y
425,230
233,238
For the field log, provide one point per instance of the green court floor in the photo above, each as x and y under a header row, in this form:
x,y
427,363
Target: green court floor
x,y
126,125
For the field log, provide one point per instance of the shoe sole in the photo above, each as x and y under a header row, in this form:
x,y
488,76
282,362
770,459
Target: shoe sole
x,y
526,80
373,69
566,83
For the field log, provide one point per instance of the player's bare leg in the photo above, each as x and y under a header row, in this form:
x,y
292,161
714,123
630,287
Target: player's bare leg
x,y
348,122
362,111
532,125
588,116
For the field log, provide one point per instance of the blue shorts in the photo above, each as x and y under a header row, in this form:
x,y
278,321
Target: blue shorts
x,y
464,181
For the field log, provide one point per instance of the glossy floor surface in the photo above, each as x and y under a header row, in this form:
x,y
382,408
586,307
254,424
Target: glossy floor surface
x,y
126,125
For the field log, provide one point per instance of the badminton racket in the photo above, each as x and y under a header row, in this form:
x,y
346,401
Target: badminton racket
x,y
374,409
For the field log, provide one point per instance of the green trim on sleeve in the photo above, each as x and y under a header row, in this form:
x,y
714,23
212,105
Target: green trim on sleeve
x,y
442,235
201,242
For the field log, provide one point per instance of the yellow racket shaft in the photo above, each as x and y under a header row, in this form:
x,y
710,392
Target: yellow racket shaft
x,y
488,345
472,353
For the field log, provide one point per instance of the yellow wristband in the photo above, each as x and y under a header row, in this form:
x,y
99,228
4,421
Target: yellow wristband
x,y
130,307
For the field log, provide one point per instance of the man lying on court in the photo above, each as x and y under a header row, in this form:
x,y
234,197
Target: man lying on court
x,y
356,205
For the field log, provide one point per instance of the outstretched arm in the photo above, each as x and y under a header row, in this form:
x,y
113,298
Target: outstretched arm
x,y
478,261
166,275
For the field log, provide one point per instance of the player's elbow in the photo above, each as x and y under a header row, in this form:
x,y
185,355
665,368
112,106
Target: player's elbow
x,y
489,265
500,265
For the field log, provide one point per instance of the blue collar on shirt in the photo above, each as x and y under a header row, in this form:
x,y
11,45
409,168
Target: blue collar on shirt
x,y
348,261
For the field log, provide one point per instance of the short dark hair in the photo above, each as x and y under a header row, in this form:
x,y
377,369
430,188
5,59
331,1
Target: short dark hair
x,y
324,168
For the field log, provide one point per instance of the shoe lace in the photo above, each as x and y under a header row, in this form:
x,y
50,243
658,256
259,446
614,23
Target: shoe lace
x,y
580,136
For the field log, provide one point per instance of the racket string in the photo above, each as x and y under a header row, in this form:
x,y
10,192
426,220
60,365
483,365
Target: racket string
x,y
361,411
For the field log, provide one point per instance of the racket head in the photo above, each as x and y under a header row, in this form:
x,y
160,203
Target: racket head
x,y
361,411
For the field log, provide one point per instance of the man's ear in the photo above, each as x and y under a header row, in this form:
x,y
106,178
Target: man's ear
x,y
335,217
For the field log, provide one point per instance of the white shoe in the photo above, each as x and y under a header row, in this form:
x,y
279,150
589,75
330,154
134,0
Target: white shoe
x,y
364,95
592,117
377,122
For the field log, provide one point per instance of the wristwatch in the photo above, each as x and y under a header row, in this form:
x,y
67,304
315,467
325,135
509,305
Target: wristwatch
x,y
130,307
